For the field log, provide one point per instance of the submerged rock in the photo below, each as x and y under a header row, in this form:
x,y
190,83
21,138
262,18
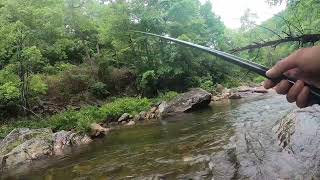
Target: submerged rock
x,y
268,146
194,99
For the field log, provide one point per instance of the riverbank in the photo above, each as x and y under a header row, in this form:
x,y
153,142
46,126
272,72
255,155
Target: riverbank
x,y
76,128
186,146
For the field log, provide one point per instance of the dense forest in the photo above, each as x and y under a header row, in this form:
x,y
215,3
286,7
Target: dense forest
x,y
67,53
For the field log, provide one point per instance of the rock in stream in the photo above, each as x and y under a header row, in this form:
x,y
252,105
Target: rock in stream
x,y
23,147
186,102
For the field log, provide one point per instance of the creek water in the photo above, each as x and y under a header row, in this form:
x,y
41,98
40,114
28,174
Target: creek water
x,y
198,145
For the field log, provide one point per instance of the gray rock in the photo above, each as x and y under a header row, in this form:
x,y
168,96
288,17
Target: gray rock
x,y
137,118
153,110
27,152
131,123
186,102
235,96
23,147
20,135
143,115
96,130
63,139
124,117
162,107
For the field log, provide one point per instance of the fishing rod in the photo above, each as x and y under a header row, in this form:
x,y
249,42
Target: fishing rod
x,y
254,67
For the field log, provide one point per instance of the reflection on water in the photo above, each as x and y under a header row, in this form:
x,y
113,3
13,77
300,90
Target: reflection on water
x,y
175,146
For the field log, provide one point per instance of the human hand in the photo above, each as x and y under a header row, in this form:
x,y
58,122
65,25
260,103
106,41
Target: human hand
x,y
303,65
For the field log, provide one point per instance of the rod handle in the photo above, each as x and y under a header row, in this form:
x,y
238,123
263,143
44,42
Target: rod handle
x,y
314,91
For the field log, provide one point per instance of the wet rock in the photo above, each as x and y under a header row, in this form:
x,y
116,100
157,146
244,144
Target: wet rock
x,y
124,117
153,177
219,88
137,118
143,115
63,139
235,96
97,130
27,152
268,146
194,99
261,90
162,107
153,110
20,135
201,175
23,147
242,89
131,123
222,165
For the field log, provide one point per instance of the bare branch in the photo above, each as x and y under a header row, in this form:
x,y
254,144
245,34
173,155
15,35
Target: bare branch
x,y
270,31
289,24
306,38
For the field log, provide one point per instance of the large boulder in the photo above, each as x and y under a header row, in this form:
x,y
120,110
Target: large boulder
x,y
186,102
23,147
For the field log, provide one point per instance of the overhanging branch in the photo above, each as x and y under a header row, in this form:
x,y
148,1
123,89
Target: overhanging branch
x,y
306,38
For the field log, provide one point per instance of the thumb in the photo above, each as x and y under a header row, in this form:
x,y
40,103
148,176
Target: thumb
x,y
282,66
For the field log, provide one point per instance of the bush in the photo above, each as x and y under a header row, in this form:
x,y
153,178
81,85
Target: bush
x,y
37,85
168,96
147,83
116,79
99,89
65,85
9,87
207,85
112,111
79,121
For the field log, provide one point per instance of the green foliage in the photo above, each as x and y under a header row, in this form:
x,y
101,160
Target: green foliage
x,y
168,96
9,92
78,120
9,87
37,85
99,89
207,85
114,110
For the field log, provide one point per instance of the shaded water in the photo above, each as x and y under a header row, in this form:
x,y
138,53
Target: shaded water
x,y
174,147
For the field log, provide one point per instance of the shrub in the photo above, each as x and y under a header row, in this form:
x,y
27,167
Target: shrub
x,y
207,85
9,87
63,86
76,80
147,83
78,120
37,85
114,110
168,96
99,89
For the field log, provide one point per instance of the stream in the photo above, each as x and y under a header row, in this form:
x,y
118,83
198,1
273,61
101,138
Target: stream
x,y
219,142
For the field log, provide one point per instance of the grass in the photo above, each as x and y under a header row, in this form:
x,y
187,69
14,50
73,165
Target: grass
x,y
81,120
